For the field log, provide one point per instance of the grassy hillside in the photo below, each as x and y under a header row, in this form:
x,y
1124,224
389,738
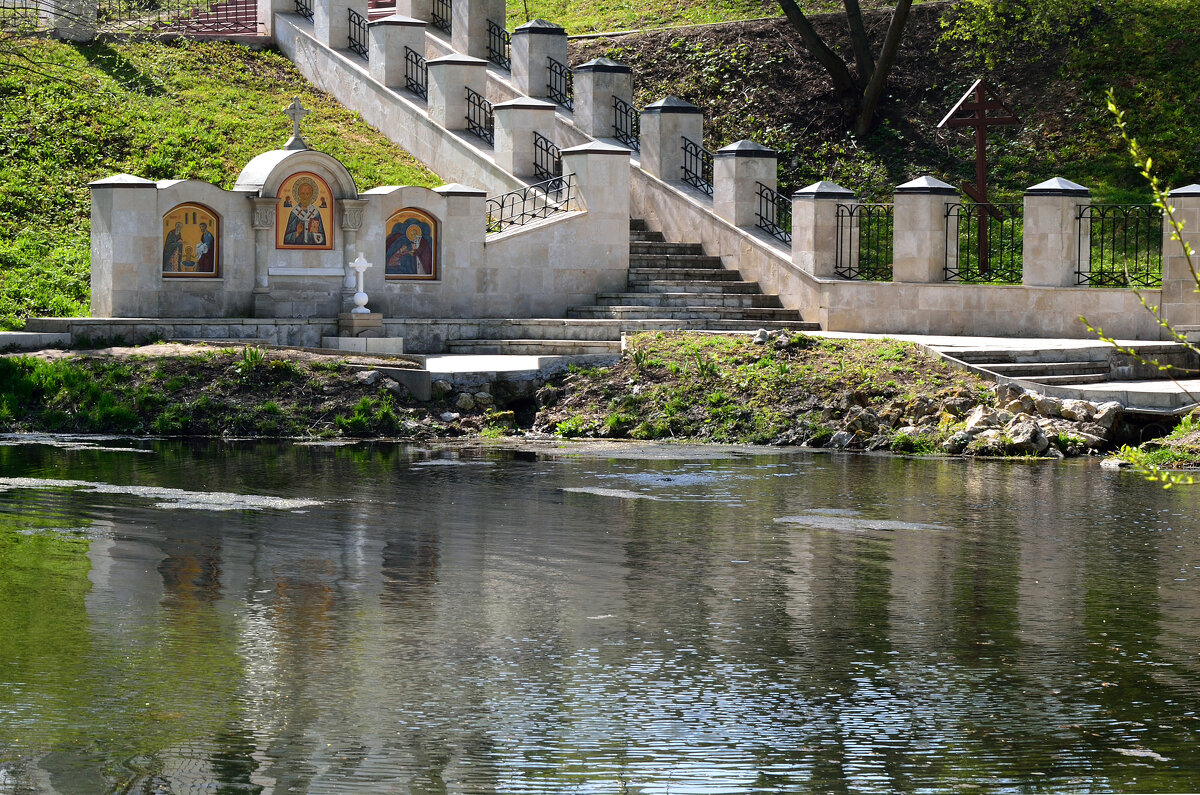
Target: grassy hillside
x,y
753,80
159,111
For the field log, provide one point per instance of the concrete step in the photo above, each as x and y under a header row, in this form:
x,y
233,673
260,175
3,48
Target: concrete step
x,y
48,325
649,275
984,357
688,299
725,286
1035,369
1096,378
535,347
637,225
689,261
646,237
658,249
638,312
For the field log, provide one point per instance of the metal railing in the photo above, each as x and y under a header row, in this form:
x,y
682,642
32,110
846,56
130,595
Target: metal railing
x,y
774,213
172,16
627,124
697,166
547,158
538,201
416,73
441,15
20,16
358,34
305,9
562,84
480,120
499,46
865,234
1003,240
1120,245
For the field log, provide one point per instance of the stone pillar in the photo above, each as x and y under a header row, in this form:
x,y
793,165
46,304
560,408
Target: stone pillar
x,y
127,244
664,126
919,236
603,184
1180,301
71,20
267,9
263,223
463,232
532,44
469,25
417,9
449,79
814,227
1051,245
516,122
331,21
388,38
738,169
351,219
596,83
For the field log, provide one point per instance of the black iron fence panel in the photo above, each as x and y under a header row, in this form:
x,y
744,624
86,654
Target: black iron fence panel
x,y
416,73
19,16
865,234
1002,238
538,201
499,46
627,124
441,14
480,120
562,84
305,9
358,34
774,213
1120,245
697,166
178,16
547,158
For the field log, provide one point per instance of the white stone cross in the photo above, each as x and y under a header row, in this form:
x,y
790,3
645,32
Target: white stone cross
x,y
360,298
296,112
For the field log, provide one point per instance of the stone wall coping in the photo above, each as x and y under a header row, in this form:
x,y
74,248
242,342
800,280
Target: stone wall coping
x,y
123,181
823,190
1058,187
1187,190
671,105
596,148
398,19
539,26
525,103
457,59
927,186
746,148
604,65
457,189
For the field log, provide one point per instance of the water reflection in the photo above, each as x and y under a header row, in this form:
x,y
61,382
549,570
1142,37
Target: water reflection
x,y
461,620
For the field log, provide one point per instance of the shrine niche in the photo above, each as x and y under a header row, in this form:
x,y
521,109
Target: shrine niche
x,y
411,245
191,242
304,215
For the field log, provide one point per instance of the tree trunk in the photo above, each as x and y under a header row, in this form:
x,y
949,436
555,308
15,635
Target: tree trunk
x,y
843,81
863,56
887,57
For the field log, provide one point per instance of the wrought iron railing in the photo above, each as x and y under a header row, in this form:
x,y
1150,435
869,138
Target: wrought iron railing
x,y
499,46
480,120
20,16
863,248
697,166
416,73
171,16
1120,245
441,15
305,9
358,33
538,201
1003,238
547,158
627,124
562,84
774,213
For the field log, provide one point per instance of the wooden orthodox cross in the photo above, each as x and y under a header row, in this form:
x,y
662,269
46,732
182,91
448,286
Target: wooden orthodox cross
x,y
972,111
296,112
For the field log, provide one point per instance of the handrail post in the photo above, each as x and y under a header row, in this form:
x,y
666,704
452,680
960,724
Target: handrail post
x,y
596,83
1054,245
1180,301
532,44
449,79
388,39
469,28
919,236
331,21
814,227
664,123
738,169
516,121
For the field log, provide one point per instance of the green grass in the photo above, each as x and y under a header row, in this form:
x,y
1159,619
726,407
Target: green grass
x,y
610,15
159,111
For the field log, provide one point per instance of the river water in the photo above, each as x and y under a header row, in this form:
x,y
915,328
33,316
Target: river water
x,y
240,618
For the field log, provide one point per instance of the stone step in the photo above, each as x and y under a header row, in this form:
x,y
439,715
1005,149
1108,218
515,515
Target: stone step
x,y
725,286
690,261
649,275
534,347
637,225
48,325
1063,380
647,248
984,357
646,237
1035,369
686,299
638,312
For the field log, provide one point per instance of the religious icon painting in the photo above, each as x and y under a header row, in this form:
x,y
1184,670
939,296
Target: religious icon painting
x,y
411,245
191,242
304,215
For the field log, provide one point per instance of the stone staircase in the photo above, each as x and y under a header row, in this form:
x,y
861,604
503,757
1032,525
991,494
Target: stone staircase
x,y
1077,366
671,287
